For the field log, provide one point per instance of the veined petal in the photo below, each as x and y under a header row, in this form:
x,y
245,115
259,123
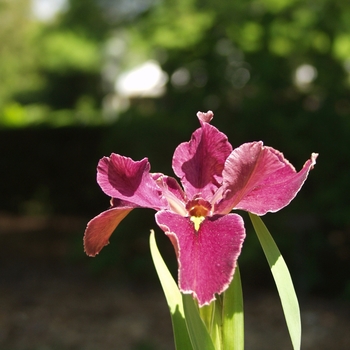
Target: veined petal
x,y
259,179
245,168
100,228
278,190
123,178
199,162
207,257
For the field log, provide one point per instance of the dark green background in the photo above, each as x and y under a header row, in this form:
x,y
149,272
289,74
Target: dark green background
x,y
48,157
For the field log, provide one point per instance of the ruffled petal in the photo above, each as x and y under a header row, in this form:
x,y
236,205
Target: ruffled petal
x,y
259,179
100,228
207,257
123,178
199,162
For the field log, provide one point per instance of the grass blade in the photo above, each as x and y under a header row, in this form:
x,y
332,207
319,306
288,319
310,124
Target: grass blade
x,y
173,297
233,316
197,330
282,279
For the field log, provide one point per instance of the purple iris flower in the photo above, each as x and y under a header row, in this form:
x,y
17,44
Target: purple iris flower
x,y
196,217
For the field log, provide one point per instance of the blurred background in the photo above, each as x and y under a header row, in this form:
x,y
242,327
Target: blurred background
x,y
80,79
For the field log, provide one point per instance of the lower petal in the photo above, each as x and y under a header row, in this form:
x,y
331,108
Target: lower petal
x,y
207,257
100,228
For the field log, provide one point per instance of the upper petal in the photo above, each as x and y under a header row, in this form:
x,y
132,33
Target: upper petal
x,y
100,228
123,178
205,116
259,179
207,257
199,162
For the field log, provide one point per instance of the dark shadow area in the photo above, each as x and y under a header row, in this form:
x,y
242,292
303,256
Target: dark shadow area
x,y
52,299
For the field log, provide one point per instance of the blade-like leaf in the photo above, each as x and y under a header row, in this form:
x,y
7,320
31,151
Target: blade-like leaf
x,y
197,330
282,279
216,330
173,297
211,315
206,313
233,317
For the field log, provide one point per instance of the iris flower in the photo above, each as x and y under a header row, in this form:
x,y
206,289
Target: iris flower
x,y
197,216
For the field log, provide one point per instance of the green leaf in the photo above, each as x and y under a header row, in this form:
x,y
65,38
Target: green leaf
x,y
216,330
233,317
197,330
206,313
282,279
211,315
173,297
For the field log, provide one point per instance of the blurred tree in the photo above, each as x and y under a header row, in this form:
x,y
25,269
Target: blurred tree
x,y
85,18
277,70
70,56
50,70
17,53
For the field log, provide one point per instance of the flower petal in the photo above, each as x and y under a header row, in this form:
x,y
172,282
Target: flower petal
x,y
259,179
173,193
100,228
207,257
199,162
205,117
123,178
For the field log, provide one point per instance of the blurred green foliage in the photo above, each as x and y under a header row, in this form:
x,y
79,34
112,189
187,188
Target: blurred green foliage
x,y
276,70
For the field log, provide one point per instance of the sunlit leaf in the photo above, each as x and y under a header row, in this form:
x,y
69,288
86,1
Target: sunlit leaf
x,y
173,297
206,313
233,316
197,330
282,279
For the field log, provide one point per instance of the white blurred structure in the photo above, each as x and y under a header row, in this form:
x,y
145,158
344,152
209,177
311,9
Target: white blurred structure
x,y
46,10
145,80
305,75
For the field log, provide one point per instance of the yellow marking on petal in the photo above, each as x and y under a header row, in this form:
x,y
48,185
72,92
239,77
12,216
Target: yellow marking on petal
x,y
197,220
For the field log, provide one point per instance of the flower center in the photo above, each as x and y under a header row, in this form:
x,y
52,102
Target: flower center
x,y
198,209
